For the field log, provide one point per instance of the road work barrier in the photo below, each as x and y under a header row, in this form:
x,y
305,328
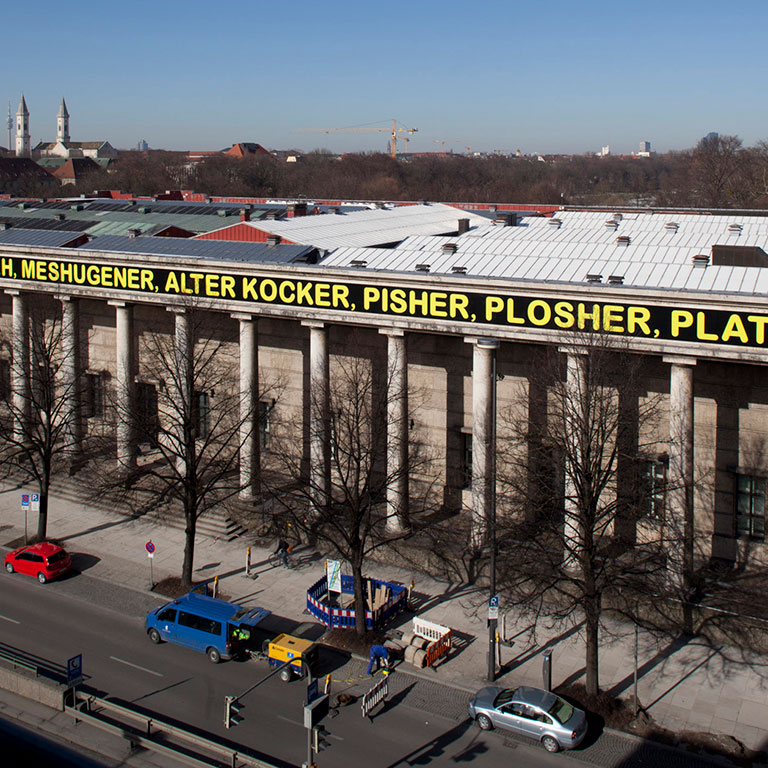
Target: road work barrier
x,y
377,694
426,642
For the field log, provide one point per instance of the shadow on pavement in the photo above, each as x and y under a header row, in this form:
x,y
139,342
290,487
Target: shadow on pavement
x,y
437,747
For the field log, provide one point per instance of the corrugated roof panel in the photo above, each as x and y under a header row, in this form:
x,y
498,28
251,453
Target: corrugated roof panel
x,y
44,238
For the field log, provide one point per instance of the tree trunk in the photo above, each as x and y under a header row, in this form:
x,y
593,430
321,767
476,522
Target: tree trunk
x,y
189,549
357,581
42,517
592,621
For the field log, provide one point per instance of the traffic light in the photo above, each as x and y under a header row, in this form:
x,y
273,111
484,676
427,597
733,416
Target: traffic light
x,y
320,738
232,716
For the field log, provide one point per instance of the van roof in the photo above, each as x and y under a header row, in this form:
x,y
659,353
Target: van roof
x,y
213,608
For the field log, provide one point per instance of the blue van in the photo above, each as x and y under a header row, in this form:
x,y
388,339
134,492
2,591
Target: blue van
x,y
215,627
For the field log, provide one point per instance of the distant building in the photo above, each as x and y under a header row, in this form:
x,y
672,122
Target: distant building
x,y
645,149
142,146
63,146
605,151
23,141
75,169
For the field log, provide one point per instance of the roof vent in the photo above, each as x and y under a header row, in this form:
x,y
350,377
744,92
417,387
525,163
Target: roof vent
x,y
422,267
273,240
556,223
133,232
6,224
77,207
144,209
59,216
457,270
23,206
612,224
359,263
223,212
616,279
594,278
735,228
505,219
493,209
700,260
623,240
617,216
671,226
208,200
271,215
463,226
449,249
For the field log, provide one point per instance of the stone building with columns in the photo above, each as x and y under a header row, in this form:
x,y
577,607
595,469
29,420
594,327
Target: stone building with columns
x,y
683,291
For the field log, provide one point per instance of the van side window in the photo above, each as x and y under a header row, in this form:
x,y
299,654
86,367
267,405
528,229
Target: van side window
x,y
169,614
199,623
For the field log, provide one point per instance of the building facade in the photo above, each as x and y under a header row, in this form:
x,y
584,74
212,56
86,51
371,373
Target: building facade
x,y
460,319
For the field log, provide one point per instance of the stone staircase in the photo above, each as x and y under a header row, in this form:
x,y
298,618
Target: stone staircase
x,y
217,524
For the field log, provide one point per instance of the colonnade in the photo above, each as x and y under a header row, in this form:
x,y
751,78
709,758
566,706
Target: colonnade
x,y
483,409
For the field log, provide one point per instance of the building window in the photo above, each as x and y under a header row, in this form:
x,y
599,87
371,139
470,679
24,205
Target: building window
x,y
750,506
466,459
265,425
653,488
201,415
93,395
146,411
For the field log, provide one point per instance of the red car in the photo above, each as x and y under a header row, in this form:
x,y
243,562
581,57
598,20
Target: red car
x,y
44,560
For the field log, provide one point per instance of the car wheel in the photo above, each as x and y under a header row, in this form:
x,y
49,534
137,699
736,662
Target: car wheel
x,y
214,655
154,635
41,577
286,675
551,744
9,567
484,722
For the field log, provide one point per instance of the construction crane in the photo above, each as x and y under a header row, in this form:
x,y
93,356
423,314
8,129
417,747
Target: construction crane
x,y
394,131
441,142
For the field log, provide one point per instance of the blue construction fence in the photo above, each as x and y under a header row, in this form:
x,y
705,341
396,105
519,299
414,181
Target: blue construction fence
x,y
332,616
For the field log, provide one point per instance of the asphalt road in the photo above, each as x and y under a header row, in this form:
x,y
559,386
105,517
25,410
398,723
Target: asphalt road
x,y
49,623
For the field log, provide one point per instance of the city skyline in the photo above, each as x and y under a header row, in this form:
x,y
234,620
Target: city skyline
x,y
191,76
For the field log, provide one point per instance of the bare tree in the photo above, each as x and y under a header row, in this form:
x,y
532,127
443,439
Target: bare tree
x,y
194,423
40,432
572,484
349,516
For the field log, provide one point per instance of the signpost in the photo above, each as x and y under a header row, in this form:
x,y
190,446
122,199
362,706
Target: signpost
x,y
25,509
75,670
493,608
150,547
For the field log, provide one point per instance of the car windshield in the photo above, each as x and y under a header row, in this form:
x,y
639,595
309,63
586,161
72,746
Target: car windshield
x,y
504,697
561,710
56,556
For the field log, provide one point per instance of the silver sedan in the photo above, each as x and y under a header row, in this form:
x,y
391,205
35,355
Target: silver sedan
x,y
532,712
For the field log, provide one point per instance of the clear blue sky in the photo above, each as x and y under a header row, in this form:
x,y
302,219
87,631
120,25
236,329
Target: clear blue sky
x,y
561,76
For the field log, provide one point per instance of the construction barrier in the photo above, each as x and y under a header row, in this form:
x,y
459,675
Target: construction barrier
x,y
377,694
427,642
384,599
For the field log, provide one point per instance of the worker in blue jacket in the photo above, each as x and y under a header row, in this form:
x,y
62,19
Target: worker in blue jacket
x,y
379,656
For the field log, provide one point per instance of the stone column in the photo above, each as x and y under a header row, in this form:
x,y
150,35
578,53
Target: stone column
x,y
71,376
574,406
125,387
20,374
483,438
250,472
183,350
397,431
319,426
679,526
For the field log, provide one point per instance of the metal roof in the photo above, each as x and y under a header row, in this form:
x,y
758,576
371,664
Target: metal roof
x,y
654,257
380,226
43,238
220,250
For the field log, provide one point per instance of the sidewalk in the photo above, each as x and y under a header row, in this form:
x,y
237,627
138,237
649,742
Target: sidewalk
x,y
683,688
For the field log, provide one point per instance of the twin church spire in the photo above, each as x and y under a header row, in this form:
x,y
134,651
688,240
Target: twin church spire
x,y
23,139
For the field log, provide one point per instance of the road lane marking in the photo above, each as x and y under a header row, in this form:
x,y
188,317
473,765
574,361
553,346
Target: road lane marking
x,y
13,621
136,666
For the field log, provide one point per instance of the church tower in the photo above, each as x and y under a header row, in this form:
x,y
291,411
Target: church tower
x,y
23,144
62,123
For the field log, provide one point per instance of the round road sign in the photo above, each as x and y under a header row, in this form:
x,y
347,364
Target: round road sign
x,y
150,547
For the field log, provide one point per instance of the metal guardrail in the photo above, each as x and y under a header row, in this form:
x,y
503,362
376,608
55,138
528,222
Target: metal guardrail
x,y
14,661
153,733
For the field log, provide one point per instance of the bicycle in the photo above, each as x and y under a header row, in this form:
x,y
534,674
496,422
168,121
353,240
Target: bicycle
x,y
279,558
